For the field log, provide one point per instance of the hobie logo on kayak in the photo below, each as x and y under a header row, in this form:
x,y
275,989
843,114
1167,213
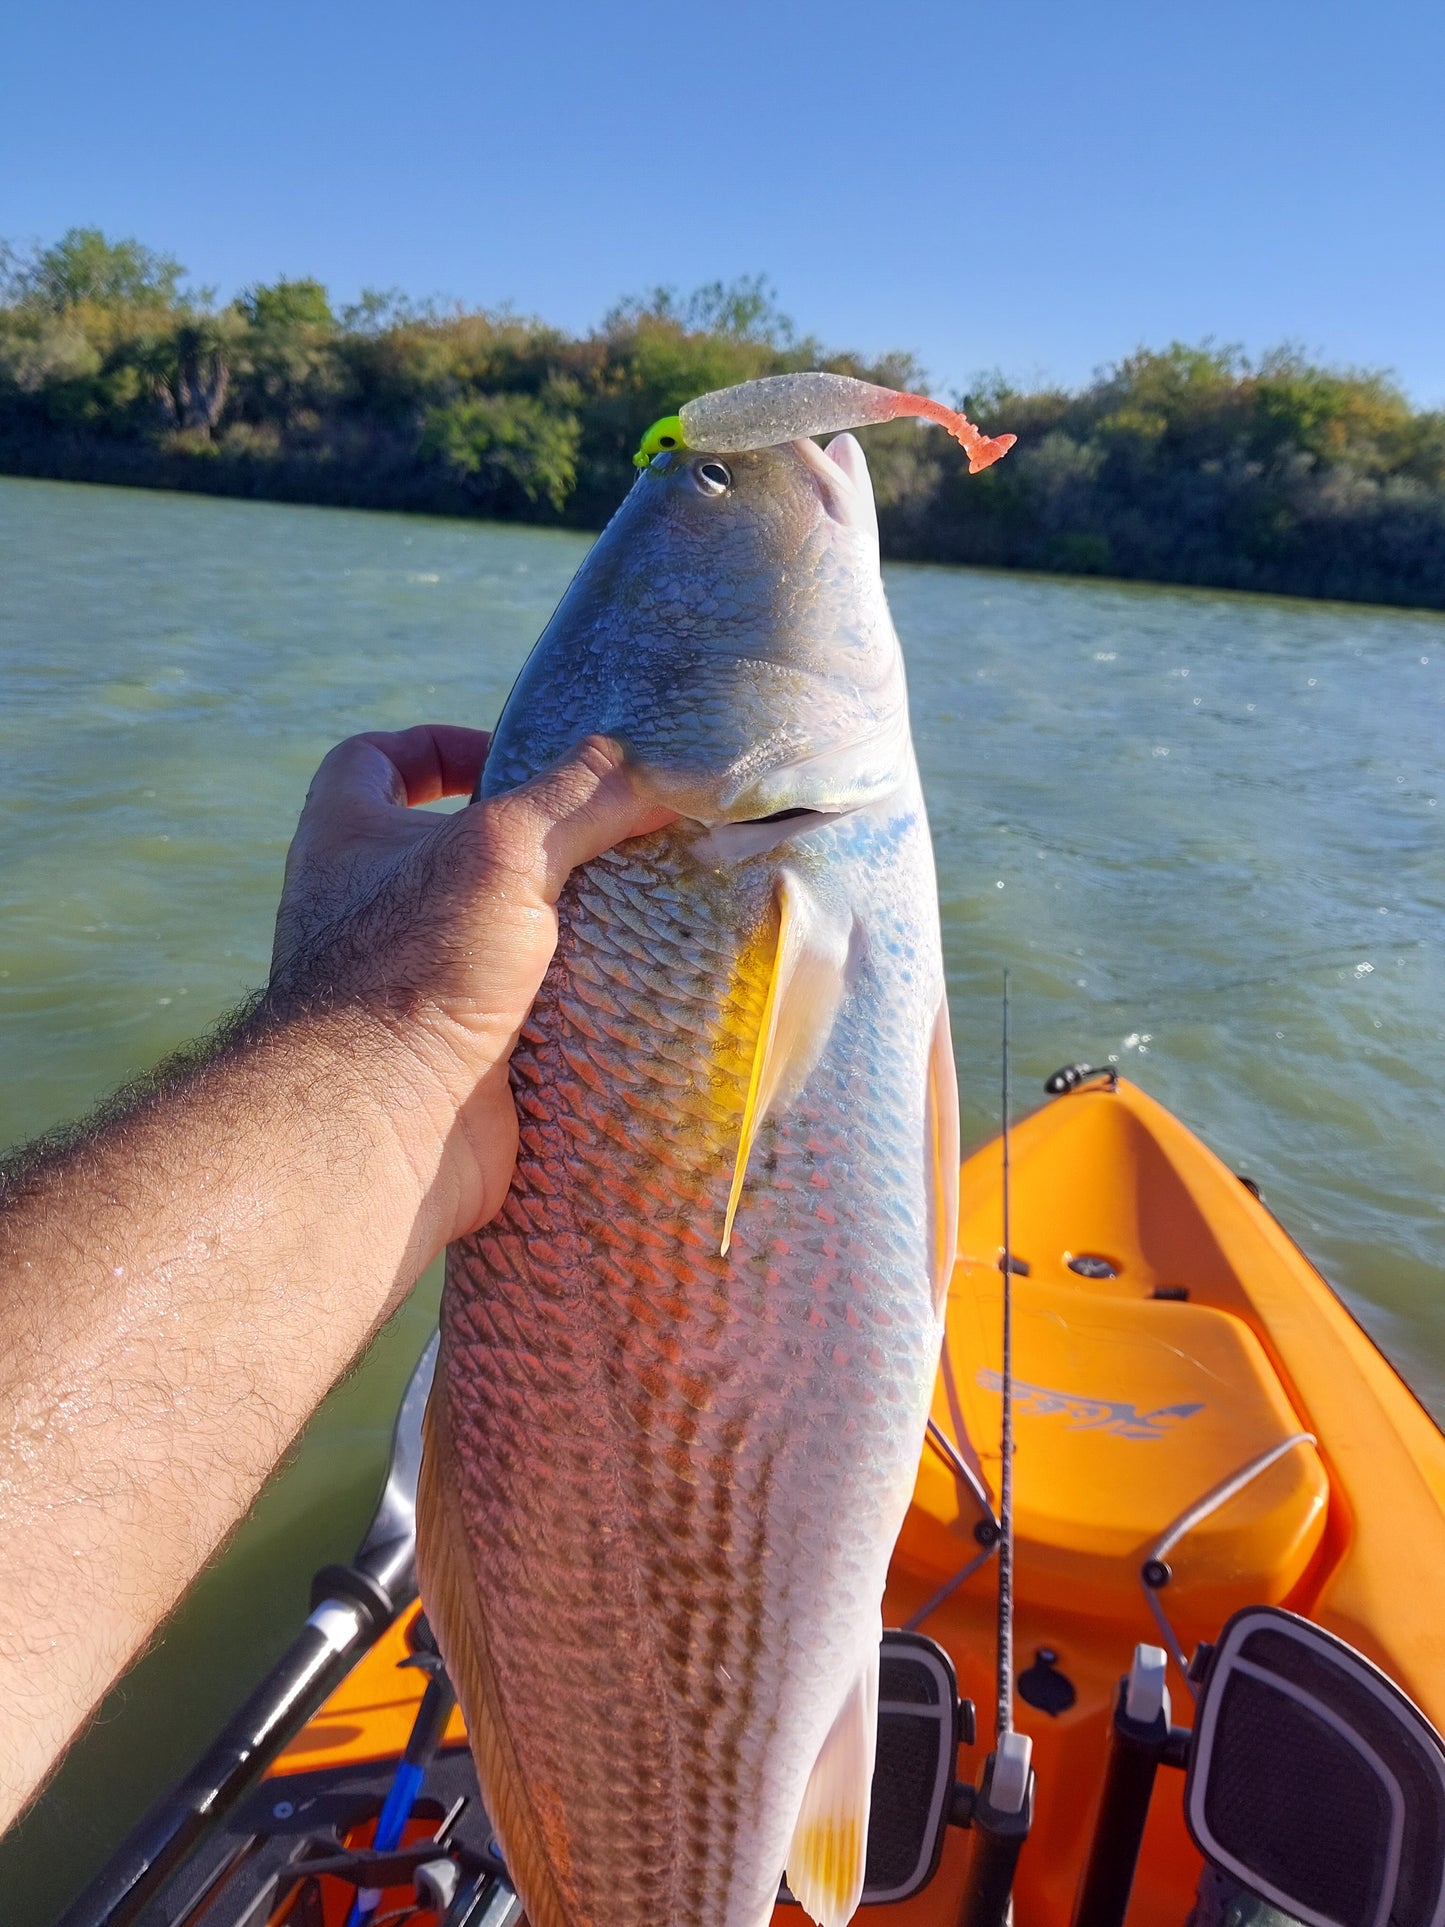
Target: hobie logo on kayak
x,y
1114,1415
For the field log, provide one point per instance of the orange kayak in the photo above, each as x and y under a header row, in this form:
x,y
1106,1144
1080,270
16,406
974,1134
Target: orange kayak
x,y
1200,1427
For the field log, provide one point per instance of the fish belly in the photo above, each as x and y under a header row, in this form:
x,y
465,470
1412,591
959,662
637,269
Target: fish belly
x,y
662,1485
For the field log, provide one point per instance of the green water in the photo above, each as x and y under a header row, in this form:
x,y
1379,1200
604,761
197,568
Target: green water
x,y
1205,831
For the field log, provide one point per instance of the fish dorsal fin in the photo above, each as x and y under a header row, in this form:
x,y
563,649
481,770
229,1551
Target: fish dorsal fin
x,y
805,988
830,1841
454,1612
940,1146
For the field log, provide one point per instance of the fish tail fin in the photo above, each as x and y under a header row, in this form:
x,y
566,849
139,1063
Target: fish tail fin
x,y
454,1611
830,1842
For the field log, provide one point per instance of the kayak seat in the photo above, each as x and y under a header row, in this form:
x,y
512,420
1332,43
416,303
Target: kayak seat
x,y
1127,1413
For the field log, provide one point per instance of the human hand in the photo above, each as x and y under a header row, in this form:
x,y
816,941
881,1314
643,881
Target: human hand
x,y
435,931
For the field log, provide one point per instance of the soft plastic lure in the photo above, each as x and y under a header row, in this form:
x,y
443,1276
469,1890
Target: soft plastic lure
x,y
785,408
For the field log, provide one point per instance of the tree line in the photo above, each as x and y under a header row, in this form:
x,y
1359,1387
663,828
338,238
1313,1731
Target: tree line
x,y
1183,464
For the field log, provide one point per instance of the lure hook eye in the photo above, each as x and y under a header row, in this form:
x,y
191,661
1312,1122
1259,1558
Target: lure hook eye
x,y
712,477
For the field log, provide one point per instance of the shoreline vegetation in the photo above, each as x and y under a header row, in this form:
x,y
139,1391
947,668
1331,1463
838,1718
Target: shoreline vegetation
x,y
1190,465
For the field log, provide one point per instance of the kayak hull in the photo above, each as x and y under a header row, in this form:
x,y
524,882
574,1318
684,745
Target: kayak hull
x,y
1200,1425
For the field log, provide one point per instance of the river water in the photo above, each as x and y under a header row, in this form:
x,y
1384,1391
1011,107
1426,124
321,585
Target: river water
x,y
1204,831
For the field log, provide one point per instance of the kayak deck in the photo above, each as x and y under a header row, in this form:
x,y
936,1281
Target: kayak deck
x,y
1203,1345
1188,1391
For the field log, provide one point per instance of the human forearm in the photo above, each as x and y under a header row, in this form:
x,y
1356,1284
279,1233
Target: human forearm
x,y
181,1285
180,1290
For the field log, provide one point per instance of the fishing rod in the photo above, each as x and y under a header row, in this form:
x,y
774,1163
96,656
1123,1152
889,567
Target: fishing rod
x,y
1002,1811
1004,1709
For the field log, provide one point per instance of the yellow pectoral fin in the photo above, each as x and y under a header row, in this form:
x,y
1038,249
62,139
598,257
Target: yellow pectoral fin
x,y
805,988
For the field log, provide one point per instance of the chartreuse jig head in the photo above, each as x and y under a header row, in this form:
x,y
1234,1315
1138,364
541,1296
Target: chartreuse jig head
x,y
785,408
663,434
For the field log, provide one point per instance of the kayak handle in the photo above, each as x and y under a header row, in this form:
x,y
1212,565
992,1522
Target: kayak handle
x,y
1070,1076
1156,1572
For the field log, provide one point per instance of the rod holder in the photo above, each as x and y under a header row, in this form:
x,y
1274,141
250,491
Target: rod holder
x,y
1001,1815
1141,1740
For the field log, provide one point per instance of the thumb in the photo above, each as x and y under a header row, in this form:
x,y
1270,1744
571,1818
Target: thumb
x,y
571,813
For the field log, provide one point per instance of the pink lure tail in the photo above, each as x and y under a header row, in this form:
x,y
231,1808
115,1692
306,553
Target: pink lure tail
x,y
982,450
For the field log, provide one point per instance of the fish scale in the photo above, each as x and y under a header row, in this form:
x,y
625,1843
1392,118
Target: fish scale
x,y
671,1442
601,1417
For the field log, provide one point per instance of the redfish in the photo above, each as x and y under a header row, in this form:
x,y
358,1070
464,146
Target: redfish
x,y
685,1373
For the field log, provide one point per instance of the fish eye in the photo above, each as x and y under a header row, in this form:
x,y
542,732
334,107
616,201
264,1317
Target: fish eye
x,y
712,478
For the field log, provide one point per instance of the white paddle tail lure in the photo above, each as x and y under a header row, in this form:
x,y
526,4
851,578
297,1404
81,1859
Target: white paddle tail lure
x,y
786,408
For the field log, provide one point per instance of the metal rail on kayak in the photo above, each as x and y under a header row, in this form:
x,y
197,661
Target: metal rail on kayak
x,y
352,1606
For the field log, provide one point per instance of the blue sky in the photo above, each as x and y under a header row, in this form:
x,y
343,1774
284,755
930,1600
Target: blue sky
x,y
1031,186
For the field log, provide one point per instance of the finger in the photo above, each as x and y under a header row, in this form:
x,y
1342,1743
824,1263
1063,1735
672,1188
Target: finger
x,y
403,767
435,759
572,813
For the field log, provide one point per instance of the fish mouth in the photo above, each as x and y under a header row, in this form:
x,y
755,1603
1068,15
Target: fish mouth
x,y
841,472
749,836
787,816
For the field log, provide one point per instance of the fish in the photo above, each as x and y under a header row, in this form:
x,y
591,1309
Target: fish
x,y
685,1372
